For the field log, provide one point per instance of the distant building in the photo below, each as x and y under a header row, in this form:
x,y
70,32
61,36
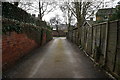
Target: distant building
x,y
53,27
105,14
60,30
62,27
59,33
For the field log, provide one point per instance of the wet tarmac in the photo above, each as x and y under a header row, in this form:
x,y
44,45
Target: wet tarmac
x,y
57,59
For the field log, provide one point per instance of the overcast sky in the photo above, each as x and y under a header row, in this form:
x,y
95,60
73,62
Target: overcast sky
x,y
47,17
59,12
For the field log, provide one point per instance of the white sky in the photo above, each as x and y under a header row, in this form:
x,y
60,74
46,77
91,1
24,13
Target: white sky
x,y
52,14
59,12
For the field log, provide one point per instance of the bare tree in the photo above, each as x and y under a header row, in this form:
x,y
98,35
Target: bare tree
x,y
26,5
56,21
64,9
82,11
67,14
16,3
45,8
38,6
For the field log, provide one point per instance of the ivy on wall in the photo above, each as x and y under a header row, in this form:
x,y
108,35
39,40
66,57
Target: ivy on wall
x,y
12,12
14,19
32,31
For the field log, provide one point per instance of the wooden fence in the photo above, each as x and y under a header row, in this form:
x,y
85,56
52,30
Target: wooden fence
x,y
101,42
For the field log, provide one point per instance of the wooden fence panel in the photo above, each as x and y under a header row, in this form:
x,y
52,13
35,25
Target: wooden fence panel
x,y
97,44
74,36
70,36
103,40
82,36
77,36
85,38
89,40
117,67
111,46
93,41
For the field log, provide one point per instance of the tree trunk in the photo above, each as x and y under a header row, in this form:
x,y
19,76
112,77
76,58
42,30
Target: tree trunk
x,y
69,18
16,3
40,12
79,20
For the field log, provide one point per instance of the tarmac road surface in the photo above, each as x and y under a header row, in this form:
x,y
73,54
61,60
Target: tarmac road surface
x,y
57,59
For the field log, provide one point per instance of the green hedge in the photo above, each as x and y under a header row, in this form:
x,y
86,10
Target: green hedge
x,y
12,12
18,20
33,32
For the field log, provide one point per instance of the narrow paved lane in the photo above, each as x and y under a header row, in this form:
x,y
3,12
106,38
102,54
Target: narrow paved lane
x,y
57,59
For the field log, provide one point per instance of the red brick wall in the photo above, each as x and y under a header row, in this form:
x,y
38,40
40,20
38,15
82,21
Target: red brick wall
x,y
44,38
15,46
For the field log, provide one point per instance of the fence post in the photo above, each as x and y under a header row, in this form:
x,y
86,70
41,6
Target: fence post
x,y
77,37
92,40
106,43
116,47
